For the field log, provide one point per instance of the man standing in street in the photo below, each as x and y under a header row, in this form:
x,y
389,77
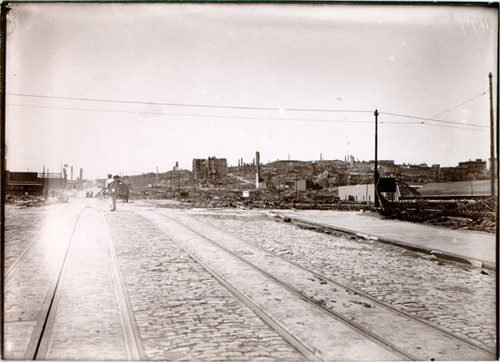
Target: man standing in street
x,y
111,189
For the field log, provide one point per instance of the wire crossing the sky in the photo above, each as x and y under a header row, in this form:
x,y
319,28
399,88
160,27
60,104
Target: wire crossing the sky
x,y
432,119
194,105
189,114
459,105
281,110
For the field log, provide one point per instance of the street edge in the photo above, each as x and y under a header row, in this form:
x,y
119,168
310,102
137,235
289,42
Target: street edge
x,y
437,253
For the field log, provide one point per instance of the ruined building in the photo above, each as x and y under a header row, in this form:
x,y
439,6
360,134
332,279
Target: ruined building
x,y
209,171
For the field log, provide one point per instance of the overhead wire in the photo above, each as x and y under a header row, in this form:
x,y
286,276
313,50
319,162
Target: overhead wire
x,y
231,117
193,105
242,108
459,105
432,124
188,114
432,119
456,127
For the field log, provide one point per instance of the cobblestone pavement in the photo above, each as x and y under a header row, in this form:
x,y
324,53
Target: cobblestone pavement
x,y
458,298
475,246
28,281
413,340
17,235
93,330
310,328
181,310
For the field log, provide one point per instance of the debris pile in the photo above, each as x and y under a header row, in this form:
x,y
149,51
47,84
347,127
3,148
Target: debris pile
x,y
25,201
211,197
487,225
477,214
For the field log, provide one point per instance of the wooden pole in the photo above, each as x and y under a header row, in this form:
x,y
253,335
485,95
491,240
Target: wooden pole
x,y
375,172
43,182
492,140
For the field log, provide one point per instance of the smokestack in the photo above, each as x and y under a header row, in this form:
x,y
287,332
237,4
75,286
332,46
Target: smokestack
x,y
257,168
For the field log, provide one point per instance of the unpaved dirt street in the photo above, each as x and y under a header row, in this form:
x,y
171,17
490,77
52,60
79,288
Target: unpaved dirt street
x,y
182,312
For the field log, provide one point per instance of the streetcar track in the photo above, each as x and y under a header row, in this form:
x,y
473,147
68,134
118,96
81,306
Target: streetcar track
x,y
300,347
363,294
37,346
303,349
45,313
12,267
291,288
311,300
41,319
133,343
293,341
133,347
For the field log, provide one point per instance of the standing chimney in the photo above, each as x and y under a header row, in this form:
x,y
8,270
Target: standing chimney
x,y
257,169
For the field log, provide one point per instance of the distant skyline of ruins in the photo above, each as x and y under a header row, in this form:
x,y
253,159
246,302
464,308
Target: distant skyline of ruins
x,y
189,167
112,87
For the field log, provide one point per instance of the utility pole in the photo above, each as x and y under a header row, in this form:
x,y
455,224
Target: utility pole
x,y
279,188
296,188
257,170
375,173
492,140
43,182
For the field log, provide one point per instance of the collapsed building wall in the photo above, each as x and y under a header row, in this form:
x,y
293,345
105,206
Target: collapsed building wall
x,y
209,171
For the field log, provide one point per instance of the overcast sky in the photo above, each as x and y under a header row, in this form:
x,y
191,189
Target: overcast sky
x,y
278,78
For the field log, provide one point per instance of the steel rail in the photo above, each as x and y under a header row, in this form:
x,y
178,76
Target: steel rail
x,y
367,333
132,336
365,295
301,348
12,267
43,323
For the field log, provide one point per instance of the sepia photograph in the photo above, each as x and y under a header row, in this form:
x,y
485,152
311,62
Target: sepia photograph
x,y
249,181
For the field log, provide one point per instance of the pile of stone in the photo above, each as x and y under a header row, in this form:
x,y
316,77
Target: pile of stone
x,y
453,222
25,201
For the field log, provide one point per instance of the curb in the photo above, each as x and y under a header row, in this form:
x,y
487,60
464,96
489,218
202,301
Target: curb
x,y
437,253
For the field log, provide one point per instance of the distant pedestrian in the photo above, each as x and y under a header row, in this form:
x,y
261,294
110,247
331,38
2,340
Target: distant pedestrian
x,y
111,190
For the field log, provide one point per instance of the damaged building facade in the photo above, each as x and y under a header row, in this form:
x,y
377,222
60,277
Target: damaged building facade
x,y
211,170
33,183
